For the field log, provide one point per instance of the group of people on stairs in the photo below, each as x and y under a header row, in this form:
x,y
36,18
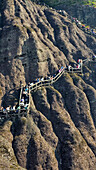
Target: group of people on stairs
x,y
77,67
85,28
21,107
24,100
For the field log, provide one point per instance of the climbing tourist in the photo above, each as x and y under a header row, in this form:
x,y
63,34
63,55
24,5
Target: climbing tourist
x,y
38,80
24,92
91,30
62,68
22,100
4,111
1,108
83,27
14,107
26,106
26,88
51,78
79,63
11,108
31,84
69,67
18,109
8,108
42,79
94,57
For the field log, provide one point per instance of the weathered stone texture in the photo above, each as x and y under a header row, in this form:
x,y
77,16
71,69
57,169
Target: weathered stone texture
x,y
60,130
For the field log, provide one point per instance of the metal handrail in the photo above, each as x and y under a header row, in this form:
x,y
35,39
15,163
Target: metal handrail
x,y
49,82
44,83
12,113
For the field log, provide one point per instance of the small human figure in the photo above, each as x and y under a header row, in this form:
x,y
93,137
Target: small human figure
x,y
4,110
22,100
51,78
79,63
1,108
91,30
26,88
69,67
83,27
18,109
37,79
94,57
26,106
8,108
62,67
31,84
14,107
42,79
78,66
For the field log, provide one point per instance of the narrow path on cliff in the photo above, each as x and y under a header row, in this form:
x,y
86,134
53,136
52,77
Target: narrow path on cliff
x,y
82,26
24,99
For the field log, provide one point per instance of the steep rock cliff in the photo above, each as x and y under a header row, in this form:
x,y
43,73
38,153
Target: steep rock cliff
x,y
59,132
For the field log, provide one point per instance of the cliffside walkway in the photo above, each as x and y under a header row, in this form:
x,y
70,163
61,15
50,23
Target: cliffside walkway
x,y
21,111
83,27
49,82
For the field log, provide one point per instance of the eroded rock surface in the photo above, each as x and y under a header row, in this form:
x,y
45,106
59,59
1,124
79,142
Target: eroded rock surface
x,y
7,156
60,130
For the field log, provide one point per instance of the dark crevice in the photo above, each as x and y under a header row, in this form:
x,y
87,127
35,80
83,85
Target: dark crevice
x,y
58,43
77,126
47,114
91,107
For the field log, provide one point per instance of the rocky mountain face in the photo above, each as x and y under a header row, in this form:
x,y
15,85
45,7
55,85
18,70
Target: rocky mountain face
x,y
59,132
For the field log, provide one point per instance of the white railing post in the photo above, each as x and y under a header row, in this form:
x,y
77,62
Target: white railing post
x,y
20,98
29,101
